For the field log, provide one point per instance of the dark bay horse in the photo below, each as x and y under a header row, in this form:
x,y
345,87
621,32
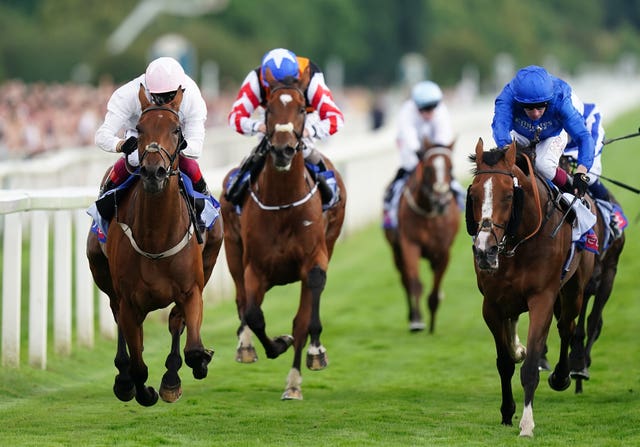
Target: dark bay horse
x,y
599,287
152,259
282,236
519,268
428,221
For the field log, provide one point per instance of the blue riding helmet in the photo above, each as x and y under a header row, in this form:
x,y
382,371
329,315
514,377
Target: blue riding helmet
x,y
532,85
282,63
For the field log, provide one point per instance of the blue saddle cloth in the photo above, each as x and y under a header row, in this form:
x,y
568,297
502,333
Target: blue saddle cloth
x,y
100,225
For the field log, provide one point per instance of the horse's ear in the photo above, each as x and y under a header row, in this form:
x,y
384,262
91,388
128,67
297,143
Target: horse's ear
x,y
268,76
144,102
177,100
510,156
305,77
479,150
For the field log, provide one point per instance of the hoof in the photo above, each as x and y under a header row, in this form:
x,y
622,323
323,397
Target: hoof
x,y
292,394
198,361
124,389
543,365
279,346
316,362
147,397
417,326
246,354
559,385
170,393
580,374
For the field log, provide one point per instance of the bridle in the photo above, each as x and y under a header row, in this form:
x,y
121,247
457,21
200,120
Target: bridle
x,y
285,127
413,205
486,224
154,147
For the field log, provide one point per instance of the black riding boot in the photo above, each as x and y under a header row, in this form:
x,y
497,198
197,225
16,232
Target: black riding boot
x,y
326,193
201,187
108,186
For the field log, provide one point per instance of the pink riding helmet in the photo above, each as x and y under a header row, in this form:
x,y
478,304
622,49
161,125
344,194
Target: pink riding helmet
x,y
164,74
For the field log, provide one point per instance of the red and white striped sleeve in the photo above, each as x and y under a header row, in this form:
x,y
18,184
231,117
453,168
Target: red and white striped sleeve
x,y
321,99
248,99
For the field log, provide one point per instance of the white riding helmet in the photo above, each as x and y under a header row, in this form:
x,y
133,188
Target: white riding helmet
x,y
426,95
163,75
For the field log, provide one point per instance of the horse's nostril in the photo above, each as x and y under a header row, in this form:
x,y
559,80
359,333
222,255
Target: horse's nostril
x,y
161,173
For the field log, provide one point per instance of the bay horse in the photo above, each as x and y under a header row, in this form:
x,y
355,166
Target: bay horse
x,y
521,268
282,236
600,286
428,221
152,259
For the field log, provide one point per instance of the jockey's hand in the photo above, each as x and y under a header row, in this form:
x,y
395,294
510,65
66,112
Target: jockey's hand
x,y
580,184
128,146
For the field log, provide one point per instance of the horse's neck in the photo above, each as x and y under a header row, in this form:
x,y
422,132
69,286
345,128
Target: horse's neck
x,y
284,185
155,213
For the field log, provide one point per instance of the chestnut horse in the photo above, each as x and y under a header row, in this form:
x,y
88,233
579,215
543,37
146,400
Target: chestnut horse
x,y
151,259
522,267
428,221
282,236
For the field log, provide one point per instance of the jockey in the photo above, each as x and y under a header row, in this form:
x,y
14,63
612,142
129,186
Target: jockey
x,y
423,116
598,190
324,118
162,79
537,107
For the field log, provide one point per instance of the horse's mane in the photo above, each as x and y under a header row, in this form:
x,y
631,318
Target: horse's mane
x,y
494,155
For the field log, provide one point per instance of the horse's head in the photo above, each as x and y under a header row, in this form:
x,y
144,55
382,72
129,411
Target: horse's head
x,y
159,141
285,114
494,204
435,168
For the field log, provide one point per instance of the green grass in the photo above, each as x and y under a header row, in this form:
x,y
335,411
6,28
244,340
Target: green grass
x,y
384,386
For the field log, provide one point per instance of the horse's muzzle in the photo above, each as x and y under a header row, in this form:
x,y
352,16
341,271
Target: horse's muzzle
x,y
486,259
154,178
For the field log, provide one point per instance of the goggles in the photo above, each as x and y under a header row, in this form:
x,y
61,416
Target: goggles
x,y
163,98
536,106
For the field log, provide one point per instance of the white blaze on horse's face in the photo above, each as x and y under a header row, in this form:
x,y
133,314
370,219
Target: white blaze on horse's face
x,y
440,186
285,99
482,242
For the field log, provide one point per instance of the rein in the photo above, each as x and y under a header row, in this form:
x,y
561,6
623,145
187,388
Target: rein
x,y
156,148
536,195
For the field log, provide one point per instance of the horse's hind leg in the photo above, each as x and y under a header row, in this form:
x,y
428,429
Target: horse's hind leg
x,y
171,386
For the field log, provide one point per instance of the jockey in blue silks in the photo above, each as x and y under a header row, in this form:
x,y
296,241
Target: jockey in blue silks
x,y
535,104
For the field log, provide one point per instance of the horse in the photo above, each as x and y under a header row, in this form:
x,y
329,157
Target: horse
x,y
282,236
428,221
599,287
151,259
521,243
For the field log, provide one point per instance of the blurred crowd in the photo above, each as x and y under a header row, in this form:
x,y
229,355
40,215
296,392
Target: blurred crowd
x,y
36,118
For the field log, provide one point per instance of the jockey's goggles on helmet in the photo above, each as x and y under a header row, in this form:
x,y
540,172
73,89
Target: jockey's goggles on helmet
x,y
161,99
428,107
535,106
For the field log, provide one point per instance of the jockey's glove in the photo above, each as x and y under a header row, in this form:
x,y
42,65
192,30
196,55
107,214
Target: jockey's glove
x,y
581,183
129,145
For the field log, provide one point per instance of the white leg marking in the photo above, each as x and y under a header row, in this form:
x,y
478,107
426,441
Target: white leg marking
x,y
526,423
244,339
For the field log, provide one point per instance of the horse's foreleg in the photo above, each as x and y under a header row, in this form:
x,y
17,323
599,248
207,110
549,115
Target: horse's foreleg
x,y
132,332
245,352
317,354
577,358
123,388
413,286
170,387
438,267
504,362
571,303
195,354
540,317
254,317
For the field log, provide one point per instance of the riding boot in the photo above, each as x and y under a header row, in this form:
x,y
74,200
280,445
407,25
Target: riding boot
x,y
325,190
201,187
108,186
